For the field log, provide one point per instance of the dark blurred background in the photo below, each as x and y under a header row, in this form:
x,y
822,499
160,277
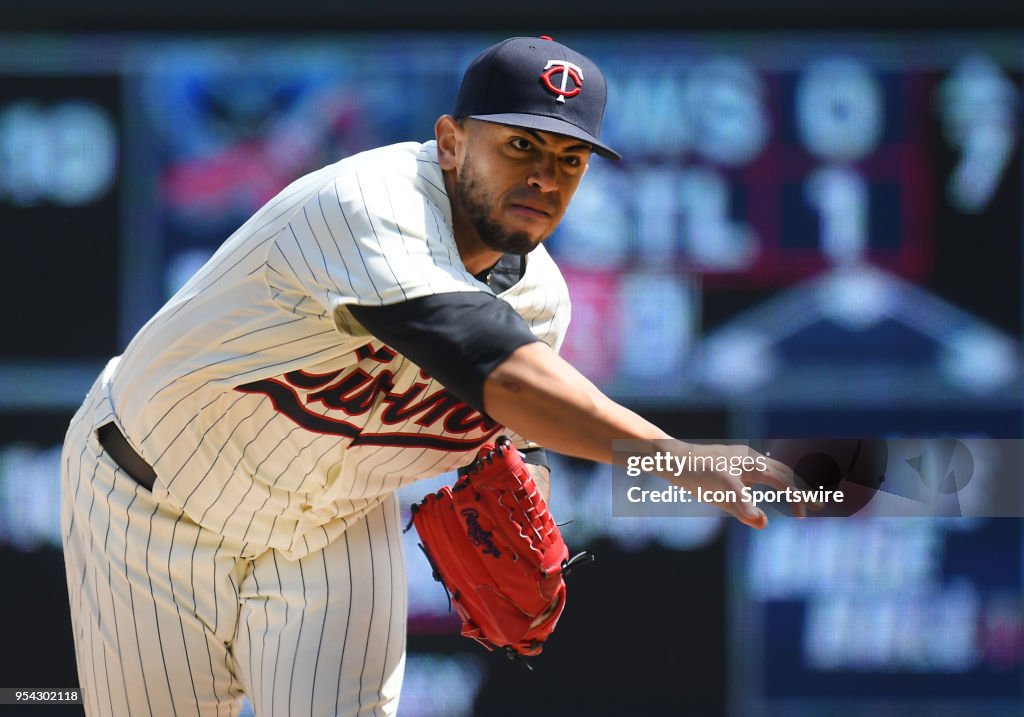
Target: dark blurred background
x,y
311,15
816,232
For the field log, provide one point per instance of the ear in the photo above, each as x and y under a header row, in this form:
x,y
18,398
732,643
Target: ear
x,y
449,135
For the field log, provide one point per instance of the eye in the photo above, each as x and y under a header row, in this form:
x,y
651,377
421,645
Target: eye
x,y
573,160
521,144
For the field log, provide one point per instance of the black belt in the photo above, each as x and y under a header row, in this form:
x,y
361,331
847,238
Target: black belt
x,y
115,444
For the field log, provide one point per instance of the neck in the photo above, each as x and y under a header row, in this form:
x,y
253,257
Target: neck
x,y
476,256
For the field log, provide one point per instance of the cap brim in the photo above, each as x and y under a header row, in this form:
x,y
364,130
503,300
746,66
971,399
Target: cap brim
x,y
553,125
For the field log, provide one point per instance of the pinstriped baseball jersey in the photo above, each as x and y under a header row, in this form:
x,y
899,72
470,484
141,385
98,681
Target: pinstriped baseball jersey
x,y
269,414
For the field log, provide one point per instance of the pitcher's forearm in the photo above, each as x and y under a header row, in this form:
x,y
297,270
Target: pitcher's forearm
x,y
542,397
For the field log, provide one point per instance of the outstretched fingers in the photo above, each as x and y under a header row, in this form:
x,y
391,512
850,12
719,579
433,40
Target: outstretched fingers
x,y
781,477
743,508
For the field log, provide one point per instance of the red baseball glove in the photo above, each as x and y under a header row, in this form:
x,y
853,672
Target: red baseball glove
x,y
494,546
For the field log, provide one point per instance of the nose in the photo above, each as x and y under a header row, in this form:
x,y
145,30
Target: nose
x,y
544,174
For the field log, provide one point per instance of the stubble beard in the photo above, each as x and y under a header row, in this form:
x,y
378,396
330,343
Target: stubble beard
x,y
478,204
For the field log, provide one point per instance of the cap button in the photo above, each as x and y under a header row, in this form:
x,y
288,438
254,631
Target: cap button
x,y
546,37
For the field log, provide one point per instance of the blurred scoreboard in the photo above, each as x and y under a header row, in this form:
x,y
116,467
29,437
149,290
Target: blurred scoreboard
x,y
831,193
60,192
862,617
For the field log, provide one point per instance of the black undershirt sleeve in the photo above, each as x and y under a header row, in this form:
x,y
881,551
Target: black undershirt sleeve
x,y
457,338
536,456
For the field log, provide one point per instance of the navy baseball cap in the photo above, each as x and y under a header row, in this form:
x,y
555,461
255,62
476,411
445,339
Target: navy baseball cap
x,y
537,83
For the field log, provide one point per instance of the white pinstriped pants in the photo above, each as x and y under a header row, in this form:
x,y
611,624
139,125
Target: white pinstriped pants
x,y
172,619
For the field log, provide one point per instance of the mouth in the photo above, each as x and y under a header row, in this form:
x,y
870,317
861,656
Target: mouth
x,y
530,210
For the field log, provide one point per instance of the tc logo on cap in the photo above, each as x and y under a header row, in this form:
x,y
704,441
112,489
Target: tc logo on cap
x,y
567,70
